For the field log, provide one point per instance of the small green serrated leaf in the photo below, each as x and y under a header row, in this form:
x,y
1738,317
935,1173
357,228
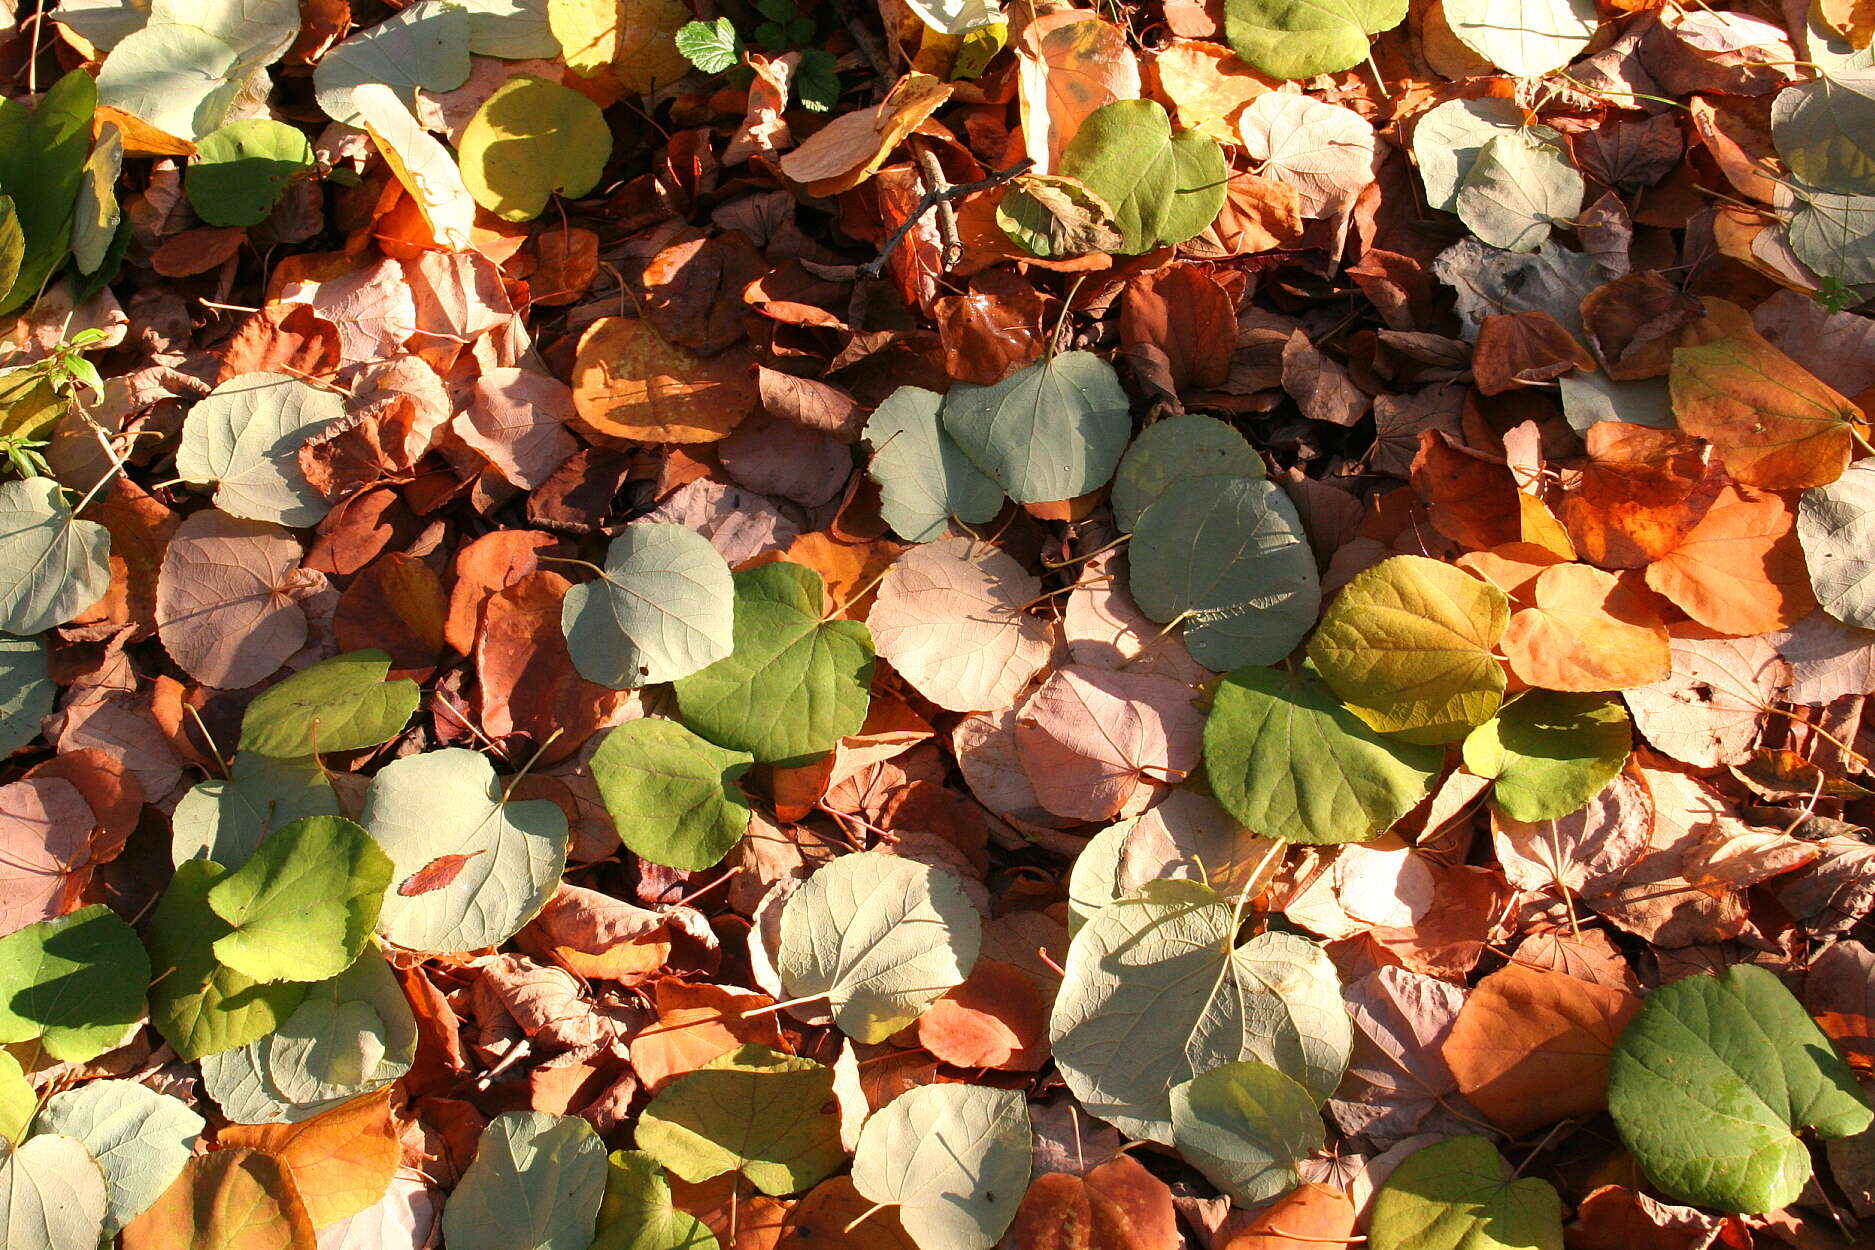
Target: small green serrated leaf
x,y
710,46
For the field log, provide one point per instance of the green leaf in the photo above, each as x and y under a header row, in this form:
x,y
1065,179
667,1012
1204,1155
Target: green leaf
x,y
26,691
1711,1081
1527,38
303,906
42,163
244,437
529,140
710,46
1302,38
239,172
1458,1194
953,1159
1515,190
1163,188
1825,130
74,982
880,937
176,76
340,704
424,48
1289,761
12,244
1448,137
1550,752
1172,451
1408,644
52,565
923,475
449,806
199,1006
766,1115
535,1184
1053,430
672,795
52,1195
1158,990
348,1036
224,819
663,607
1836,525
816,84
794,684
139,1139
1246,1126
637,1212
1228,556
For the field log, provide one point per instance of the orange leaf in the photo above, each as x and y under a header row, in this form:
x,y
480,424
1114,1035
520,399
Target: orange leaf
x,y
1640,493
1513,568
1776,424
1306,1218
236,1199
995,1019
629,383
740,1220
824,1220
697,1023
1474,500
845,152
1116,1206
1586,631
1531,1047
1740,570
341,1160
1069,64
1207,86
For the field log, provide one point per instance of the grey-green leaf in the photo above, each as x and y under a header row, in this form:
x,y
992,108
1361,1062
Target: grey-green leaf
x,y
1246,1126
953,1159
923,475
880,937
535,1184
1825,130
1053,430
663,607
244,438
1836,525
1228,555
1289,761
1709,1084
52,1195
1515,190
1528,38
52,565
422,48
1174,450
138,1137
26,691
672,796
225,818
1448,137
449,803
1158,990
1163,187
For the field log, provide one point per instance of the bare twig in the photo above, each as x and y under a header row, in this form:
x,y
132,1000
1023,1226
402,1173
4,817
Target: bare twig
x,y
940,194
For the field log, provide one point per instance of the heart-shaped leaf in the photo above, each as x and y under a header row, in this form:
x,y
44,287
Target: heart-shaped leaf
x,y
424,47
26,691
1458,1194
924,477
795,683
536,1182
1517,189
1053,430
1550,752
75,983
1303,38
225,818
244,437
52,565
672,796
1246,1126
765,1115
139,1138
1163,187
637,1212
1836,524
953,1159
303,905
662,608
234,1199
340,704
239,172
1158,990
1710,1083
1527,38
1171,451
450,803
1825,130
1289,761
529,140
53,1196
879,937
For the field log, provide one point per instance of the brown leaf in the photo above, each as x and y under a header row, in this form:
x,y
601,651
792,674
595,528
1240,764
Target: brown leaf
x,y
693,290
833,1216
1303,1219
1116,1206
1524,349
1640,494
281,338
527,680
1072,63
1185,315
394,604
226,599
1634,323
1207,86
1096,744
1320,384
1531,1047
1710,709
845,152
45,860
998,1018
491,563
517,419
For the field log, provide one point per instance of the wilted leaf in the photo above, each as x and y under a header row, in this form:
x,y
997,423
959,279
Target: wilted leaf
x,y
341,1161
1585,630
630,383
